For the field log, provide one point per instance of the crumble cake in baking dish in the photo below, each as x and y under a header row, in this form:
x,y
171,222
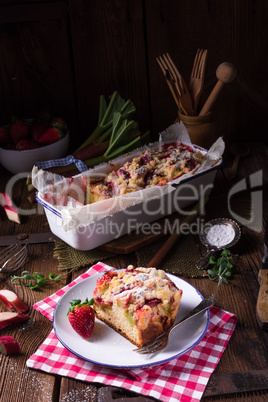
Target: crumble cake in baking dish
x,y
150,168
138,303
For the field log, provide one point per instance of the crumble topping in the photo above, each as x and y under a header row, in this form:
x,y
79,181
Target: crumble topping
x,y
151,168
134,288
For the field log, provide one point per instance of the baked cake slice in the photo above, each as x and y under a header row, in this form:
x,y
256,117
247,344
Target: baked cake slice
x,y
138,303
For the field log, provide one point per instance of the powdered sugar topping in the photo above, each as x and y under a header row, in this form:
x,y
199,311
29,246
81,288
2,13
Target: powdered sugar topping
x,y
220,235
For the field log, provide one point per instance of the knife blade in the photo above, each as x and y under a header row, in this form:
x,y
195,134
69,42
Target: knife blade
x,y
262,300
31,238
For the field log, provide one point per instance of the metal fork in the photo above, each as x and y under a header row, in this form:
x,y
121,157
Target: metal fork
x,y
161,341
197,76
13,257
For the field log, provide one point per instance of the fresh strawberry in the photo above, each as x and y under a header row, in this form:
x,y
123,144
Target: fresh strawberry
x,y
18,131
4,136
49,136
82,317
36,130
59,123
26,144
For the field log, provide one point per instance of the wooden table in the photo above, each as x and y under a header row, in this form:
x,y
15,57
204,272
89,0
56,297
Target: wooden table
x,y
242,373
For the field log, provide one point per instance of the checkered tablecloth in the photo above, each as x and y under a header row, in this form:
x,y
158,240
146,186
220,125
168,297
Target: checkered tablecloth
x,y
182,379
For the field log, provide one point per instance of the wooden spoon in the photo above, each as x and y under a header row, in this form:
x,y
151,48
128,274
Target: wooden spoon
x,y
239,149
225,73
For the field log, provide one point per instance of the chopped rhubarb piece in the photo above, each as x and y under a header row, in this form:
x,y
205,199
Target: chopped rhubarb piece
x,y
124,174
145,159
9,345
11,300
110,185
153,302
9,318
171,144
31,196
191,163
12,213
5,200
165,156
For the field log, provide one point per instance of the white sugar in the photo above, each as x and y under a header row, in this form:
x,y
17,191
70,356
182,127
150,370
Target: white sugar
x,y
220,235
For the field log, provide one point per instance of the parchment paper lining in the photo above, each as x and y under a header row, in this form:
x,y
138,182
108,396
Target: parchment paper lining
x,y
75,214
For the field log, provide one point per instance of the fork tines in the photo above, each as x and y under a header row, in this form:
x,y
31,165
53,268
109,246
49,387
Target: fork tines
x,y
169,80
152,347
176,84
197,76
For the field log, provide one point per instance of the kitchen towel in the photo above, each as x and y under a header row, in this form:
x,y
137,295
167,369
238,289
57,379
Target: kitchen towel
x,y
181,379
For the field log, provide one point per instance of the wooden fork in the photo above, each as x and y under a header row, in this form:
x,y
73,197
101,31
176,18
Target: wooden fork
x,y
185,97
170,82
197,76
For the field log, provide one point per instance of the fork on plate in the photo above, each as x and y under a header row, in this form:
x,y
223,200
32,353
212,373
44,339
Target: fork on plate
x,y
161,341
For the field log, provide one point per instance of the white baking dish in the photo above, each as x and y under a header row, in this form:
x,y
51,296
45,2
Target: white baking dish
x,y
90,236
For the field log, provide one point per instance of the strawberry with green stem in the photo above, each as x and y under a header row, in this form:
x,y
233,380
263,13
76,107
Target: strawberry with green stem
x,y
59,123
82,317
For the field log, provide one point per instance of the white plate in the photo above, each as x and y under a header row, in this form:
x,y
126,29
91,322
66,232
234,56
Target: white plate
x,y
107,348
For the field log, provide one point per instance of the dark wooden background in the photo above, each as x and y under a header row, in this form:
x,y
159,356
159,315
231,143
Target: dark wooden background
x,y
61,55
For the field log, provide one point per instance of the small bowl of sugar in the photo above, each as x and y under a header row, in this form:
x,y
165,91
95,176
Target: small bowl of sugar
x,y
218,234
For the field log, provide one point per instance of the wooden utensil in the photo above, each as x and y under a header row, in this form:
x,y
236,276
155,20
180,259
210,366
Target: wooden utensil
x,y
262,301
239,149
185,97
170,82
164,250
197,76
225,73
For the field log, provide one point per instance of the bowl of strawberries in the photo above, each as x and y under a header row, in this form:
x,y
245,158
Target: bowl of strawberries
x,y
23,142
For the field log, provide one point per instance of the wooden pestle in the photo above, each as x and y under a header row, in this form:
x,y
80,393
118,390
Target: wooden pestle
x,y
225,73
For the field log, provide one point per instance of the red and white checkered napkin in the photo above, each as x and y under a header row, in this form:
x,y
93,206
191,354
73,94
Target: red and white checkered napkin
x,y
182,379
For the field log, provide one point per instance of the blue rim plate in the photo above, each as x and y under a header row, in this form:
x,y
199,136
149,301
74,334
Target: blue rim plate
x,y
107,348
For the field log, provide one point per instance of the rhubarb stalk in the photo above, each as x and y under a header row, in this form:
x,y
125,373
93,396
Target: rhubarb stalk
x,y
114,135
